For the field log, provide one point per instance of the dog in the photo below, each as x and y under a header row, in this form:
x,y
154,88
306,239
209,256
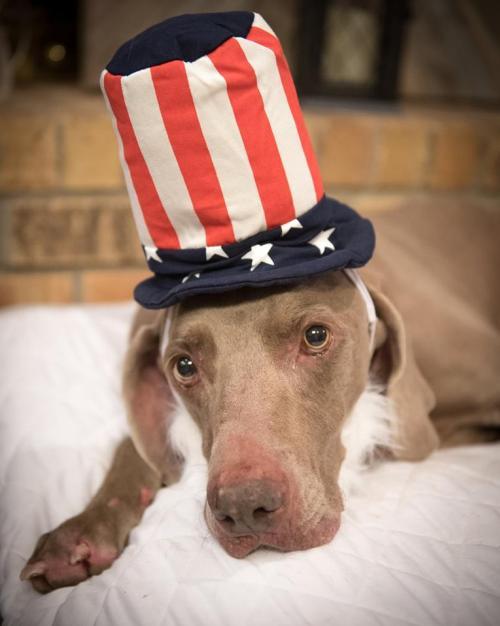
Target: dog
x,y
260,348
279,389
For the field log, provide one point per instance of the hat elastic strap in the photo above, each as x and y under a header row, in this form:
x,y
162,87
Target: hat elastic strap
x,y
355,278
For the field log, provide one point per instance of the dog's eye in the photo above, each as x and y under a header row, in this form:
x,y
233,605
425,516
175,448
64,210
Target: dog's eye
x,y
316,337
184,368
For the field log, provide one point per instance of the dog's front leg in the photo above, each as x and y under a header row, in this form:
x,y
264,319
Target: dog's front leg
x,y
88,543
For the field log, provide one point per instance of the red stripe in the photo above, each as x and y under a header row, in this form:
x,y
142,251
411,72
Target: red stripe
x,y
256,132
160,228
191,151
260,36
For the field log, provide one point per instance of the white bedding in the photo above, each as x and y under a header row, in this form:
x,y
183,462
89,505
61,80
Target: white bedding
x,y
420,545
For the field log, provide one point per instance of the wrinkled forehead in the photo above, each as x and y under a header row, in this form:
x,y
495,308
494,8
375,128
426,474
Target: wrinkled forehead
x,y
243,311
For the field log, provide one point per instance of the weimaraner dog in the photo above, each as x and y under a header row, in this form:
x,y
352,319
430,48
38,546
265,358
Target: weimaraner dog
x,y
281,392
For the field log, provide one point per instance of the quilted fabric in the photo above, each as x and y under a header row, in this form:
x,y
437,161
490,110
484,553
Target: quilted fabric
x,y
420,545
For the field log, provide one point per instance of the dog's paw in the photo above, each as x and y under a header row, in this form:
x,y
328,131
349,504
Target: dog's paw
x,y
81,547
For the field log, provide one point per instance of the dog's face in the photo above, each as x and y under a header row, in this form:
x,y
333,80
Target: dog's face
x,y
270,376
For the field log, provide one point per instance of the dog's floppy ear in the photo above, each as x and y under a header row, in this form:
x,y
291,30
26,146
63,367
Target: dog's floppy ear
x,y
394,365
149,400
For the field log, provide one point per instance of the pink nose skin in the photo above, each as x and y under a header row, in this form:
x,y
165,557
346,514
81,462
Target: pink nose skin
x,y
253,501
251,506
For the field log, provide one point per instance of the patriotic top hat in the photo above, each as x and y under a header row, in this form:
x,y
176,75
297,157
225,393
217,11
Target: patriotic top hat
x,y
224,185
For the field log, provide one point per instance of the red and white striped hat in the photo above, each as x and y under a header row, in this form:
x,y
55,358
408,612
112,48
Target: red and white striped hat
x,y
218,162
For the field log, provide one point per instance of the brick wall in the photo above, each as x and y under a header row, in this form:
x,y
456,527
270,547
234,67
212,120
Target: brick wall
x,y
66,228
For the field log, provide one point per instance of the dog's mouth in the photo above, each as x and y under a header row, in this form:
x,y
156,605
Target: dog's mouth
x,y
286,537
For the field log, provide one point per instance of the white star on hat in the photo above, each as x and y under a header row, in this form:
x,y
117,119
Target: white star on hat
x,y
286,228
192,275
259,254
322,240
215,251
152,253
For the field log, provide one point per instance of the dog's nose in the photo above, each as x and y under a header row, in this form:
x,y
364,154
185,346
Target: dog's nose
x,y
249,506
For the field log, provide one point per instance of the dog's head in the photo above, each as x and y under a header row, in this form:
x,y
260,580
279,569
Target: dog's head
x,y
270,377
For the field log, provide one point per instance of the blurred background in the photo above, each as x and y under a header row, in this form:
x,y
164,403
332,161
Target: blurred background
x,y
401,97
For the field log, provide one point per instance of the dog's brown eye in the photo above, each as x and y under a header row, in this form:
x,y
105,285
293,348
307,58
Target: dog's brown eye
x,y
316,336
185,368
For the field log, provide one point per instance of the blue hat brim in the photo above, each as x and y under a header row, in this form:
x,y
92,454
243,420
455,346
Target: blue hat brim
x,y
294,258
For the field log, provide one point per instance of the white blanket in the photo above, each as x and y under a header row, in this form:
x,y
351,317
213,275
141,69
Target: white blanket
x,y
420,545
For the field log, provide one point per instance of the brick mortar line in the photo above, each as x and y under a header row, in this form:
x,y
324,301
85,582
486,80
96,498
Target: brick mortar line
x,y
482,161
451,114
48,265
441,194
4,229
59,151
430,160
376,157
77,289
55,192
33,272
23,271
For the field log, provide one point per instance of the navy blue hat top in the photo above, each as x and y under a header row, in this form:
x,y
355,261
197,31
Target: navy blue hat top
x,y
224,185
184,37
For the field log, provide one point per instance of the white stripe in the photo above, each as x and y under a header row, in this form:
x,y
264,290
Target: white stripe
x,y
147,121
370,306
226,147
261,23
263,61
142,229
